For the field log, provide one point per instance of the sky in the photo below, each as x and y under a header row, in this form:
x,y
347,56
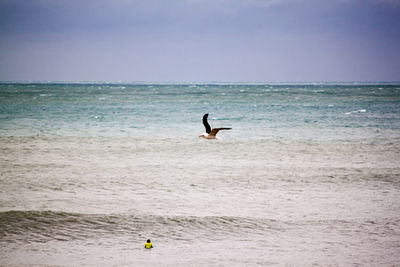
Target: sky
x,y
200,40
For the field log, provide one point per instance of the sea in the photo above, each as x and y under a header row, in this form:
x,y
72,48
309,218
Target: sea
x,y
309,174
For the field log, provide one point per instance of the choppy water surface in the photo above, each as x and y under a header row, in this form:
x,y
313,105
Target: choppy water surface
x,y
308,175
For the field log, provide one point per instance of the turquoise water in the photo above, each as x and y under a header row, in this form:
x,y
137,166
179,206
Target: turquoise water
x,y
274,112
308,175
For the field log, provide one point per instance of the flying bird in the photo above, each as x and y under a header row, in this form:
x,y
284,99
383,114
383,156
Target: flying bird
x,y
210,133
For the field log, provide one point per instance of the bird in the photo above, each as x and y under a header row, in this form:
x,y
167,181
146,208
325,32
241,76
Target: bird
x,y
210,133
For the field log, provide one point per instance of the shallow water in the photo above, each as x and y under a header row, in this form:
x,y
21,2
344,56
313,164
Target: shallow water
x,y
299,181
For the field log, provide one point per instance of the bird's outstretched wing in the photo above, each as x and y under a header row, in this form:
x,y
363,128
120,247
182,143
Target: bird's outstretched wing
x,y
205,122
216,130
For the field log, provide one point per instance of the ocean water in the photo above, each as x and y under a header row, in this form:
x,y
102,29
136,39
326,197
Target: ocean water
x,y
309,175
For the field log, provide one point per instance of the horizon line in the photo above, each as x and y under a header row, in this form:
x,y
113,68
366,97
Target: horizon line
x,y
191,82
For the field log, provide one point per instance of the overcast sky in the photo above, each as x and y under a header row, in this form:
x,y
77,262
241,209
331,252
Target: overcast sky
x,y
200,40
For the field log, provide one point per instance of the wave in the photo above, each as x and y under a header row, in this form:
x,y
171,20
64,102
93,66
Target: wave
x,y
45,226
42,226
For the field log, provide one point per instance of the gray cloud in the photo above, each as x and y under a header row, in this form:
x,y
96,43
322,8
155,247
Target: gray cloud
x,y
183,40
